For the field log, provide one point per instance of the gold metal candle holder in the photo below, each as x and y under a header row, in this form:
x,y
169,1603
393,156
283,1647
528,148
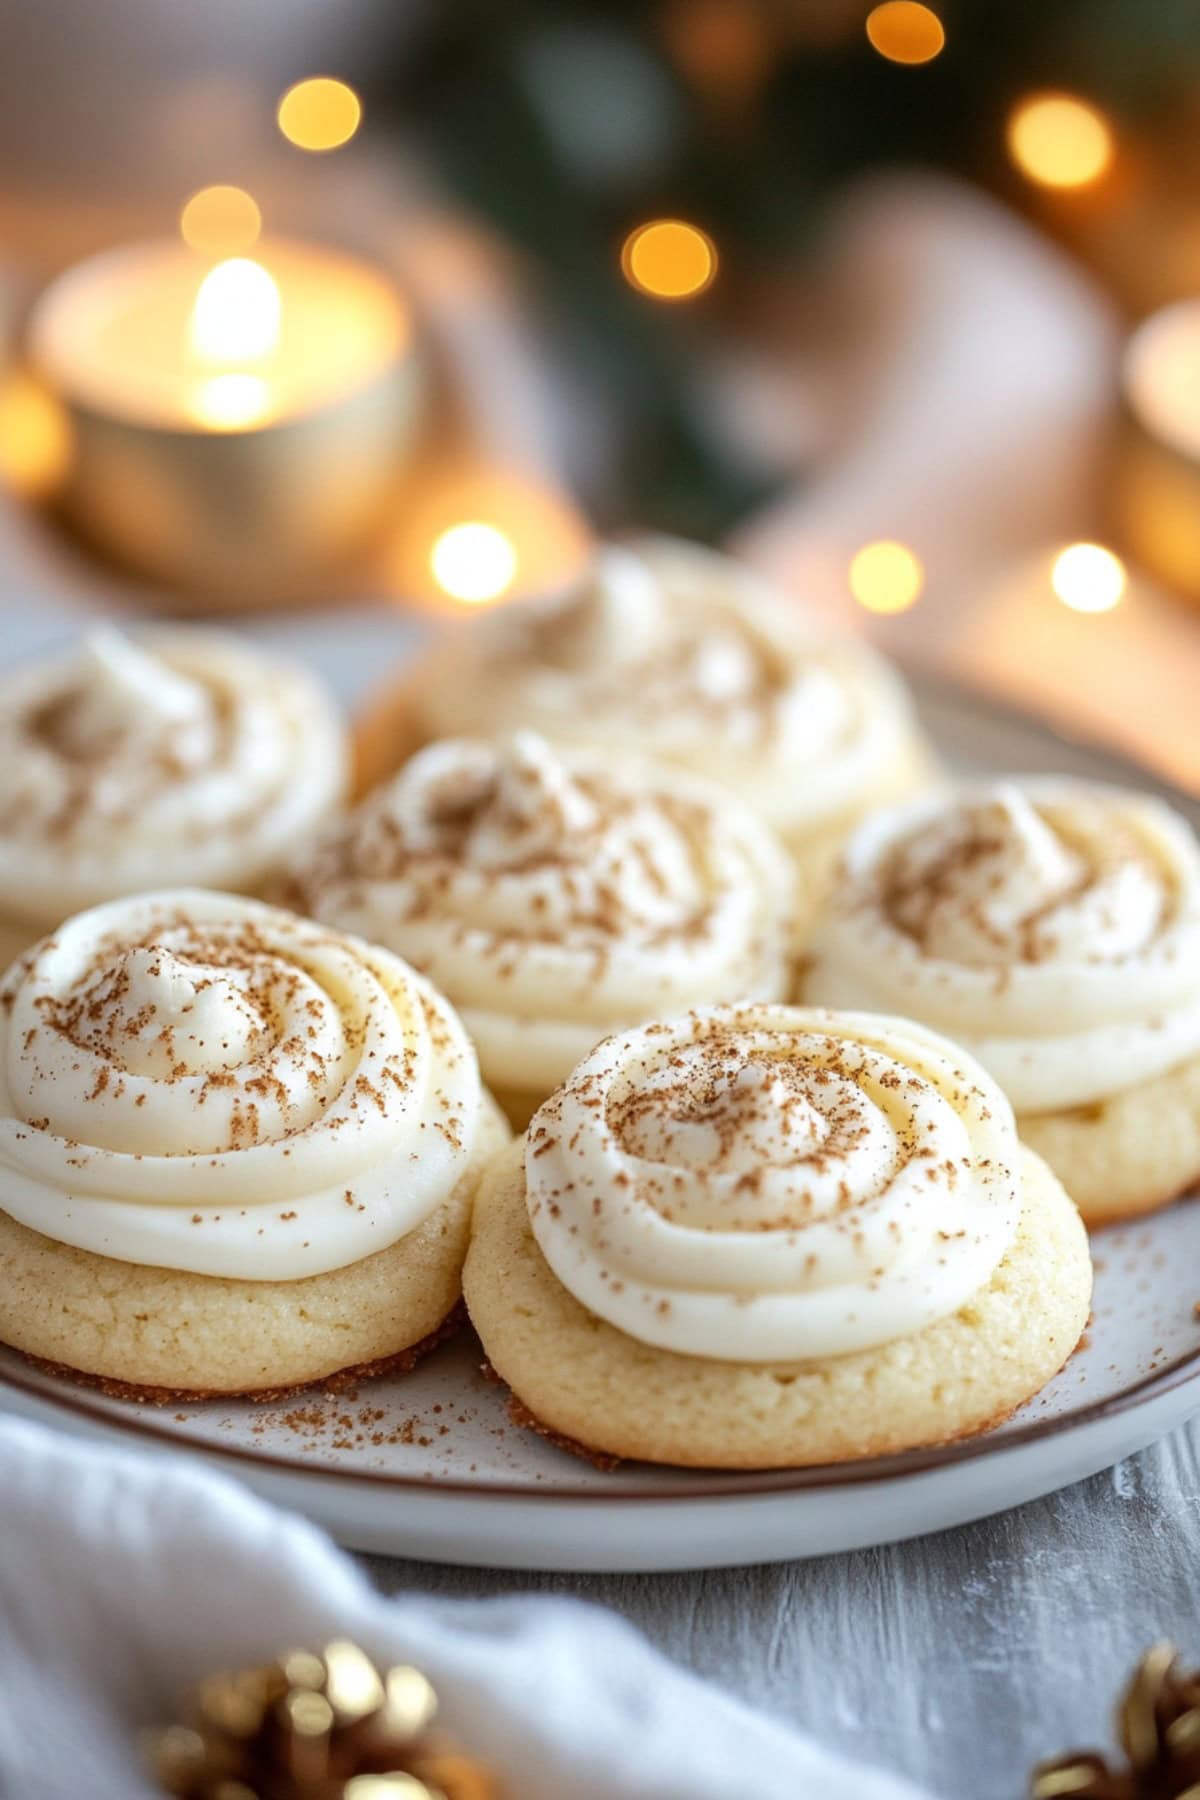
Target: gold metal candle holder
x,y
234,429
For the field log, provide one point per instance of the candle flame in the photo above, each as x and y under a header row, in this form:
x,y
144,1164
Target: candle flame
x,y
236,315
230,402
235,321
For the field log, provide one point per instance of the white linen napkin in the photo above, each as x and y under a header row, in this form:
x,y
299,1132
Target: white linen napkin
x,y
125,1579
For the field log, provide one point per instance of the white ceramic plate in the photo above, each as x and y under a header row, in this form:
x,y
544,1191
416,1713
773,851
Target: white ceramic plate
x,y
429,1464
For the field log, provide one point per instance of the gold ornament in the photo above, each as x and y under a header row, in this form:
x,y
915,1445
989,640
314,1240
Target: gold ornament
x,y
1158,1725
308,1727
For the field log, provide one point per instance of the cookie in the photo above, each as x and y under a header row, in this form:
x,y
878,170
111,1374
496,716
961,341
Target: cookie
x,y
238,1151
167,1332
184,758
1128,1154
1052,928
673,652
555,896
774,1237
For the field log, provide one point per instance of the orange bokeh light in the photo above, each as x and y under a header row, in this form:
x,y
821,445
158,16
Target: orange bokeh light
x,y
669,259
905,32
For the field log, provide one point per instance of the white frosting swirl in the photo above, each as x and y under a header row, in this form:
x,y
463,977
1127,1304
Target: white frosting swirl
x,y
1052,927
773,1184
676,652
555,897
194,1081
187,757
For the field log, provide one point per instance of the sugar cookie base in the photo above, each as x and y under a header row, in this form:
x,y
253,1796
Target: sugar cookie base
x,y
398,1364
167,1329
584,1380
1127,1155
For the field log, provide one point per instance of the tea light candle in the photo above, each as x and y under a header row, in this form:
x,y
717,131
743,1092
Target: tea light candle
x,y
236,424
1157,489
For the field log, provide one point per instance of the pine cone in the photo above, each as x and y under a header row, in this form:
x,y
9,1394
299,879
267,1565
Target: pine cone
x,y
1158,1725
328,1727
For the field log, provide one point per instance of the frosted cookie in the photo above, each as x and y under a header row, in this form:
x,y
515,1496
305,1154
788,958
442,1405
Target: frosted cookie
x,y
238,1151
556,896
765,1237
677,653
184,758
1052,927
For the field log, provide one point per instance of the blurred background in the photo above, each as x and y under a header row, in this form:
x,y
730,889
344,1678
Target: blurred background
x,y
381,308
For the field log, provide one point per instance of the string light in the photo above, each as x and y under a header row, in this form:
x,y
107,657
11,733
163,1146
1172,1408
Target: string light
x,y
473,562
886,577
221,221
1088,578
1059,141
669,259
319,114
905,32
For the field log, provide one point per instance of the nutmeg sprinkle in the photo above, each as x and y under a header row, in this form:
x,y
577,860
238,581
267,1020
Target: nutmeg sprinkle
x,y
246,1058
788,1183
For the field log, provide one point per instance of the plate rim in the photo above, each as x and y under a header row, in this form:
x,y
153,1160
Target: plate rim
x,y
717,1484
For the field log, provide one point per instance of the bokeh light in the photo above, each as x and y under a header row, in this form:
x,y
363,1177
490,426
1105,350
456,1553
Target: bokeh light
x,y
1162,375
1088,578
669,259
886,577
319,114
474,562
221,221
36,439
236,315
905,32
1059,141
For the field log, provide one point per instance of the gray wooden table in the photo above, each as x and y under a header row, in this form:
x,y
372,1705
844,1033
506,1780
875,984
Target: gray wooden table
x,y
957,1659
